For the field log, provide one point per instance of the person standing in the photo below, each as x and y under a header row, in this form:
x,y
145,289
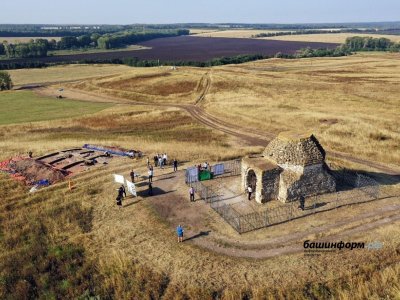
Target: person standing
x,y
148,161
249,191
132,174
302,202
179,232
191,194
151,174
175,165
120,196
122,190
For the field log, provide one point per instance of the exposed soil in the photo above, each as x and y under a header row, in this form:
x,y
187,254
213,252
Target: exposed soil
x,y
34,171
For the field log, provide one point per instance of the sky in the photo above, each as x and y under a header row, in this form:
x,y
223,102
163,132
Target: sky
x,y
198,11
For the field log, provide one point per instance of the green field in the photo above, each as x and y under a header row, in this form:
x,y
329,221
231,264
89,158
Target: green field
x,y
25,106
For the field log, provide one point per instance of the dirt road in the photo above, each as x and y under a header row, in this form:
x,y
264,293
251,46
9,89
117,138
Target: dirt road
x,y
251,136
167,205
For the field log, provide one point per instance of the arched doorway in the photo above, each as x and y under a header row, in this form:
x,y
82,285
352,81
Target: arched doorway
x,y
251,180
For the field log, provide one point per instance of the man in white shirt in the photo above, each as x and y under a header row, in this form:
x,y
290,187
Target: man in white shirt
x,y
249,191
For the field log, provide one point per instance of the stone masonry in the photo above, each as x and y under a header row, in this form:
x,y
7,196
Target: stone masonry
x,y
292,165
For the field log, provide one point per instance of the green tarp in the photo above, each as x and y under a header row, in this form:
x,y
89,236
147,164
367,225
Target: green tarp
x,y
205,175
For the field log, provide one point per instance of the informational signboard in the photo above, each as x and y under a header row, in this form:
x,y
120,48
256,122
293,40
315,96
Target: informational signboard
x,y
119,179
131,188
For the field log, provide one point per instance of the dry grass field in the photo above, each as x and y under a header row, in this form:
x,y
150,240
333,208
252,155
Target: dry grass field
x,y
63,73
350,103
58,243
233,33
330,37
319,38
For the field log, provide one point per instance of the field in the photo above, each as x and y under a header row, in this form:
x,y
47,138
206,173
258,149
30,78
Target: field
x,y
339,98
238,33
190,48
330,37
64,73
25,107
337,38
77,243
95,50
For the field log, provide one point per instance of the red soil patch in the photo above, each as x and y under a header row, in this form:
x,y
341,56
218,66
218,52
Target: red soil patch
x,y
31,171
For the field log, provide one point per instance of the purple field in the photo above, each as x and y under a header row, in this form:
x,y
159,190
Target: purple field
x,y
189,48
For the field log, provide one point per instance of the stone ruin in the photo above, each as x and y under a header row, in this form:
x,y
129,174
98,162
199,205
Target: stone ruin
x,y
292,165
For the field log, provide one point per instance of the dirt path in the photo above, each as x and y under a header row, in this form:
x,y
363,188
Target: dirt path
x,y
252,137
167,204
176,209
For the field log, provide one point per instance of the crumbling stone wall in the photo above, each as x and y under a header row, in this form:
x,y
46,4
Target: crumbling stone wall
x,y
313,181
301,152
293,166
270,185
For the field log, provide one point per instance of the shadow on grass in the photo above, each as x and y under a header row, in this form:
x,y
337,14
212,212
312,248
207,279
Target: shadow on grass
x,y
200,234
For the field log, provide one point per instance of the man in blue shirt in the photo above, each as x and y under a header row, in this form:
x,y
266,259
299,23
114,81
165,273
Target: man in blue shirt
x,y
179,231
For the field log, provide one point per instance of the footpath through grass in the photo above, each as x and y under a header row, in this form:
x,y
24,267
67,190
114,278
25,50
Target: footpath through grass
x,y
25,106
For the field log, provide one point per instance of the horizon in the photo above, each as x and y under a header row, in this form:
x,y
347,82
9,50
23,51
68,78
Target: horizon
x,y
206,23
208,11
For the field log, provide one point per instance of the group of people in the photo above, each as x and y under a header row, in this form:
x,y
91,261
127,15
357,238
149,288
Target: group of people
x,y
160,160
204,166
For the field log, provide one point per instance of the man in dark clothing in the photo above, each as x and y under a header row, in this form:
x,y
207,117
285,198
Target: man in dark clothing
x,y
175,165
302,202
132,176
150,192
121,193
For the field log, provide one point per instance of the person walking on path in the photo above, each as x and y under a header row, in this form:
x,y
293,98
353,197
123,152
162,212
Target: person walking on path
x,y
191,194
151,174
150,191
179,232
302,202
249,191
175,165
132,174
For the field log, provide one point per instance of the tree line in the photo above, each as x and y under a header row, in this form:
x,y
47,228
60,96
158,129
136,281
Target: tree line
x,y
357,43
116,40
297,32
40,47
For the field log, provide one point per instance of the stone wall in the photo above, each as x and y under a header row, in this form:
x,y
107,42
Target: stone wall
x,y
313,181
300,151
267,184
270,184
